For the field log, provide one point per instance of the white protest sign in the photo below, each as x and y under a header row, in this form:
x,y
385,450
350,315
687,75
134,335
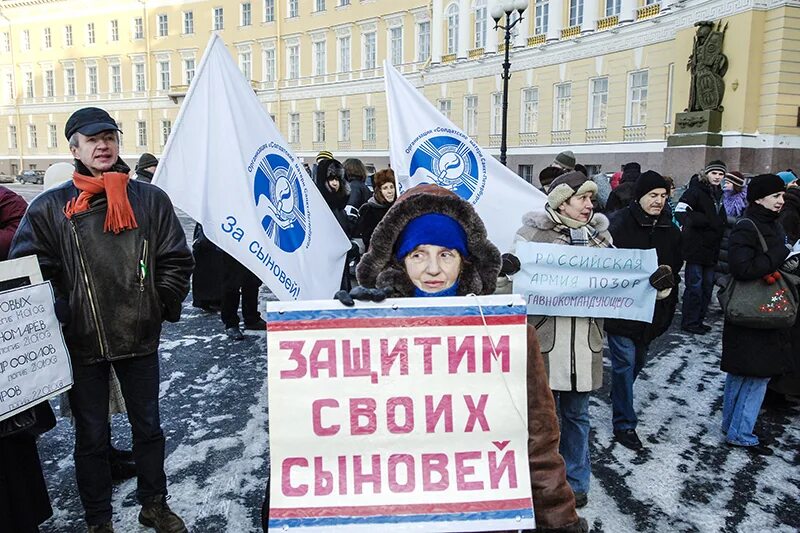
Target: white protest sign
x,y
408,415
560,280
34,362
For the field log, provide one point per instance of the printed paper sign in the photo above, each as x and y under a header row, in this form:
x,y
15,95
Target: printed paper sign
x,y
559,280
34,362
409,415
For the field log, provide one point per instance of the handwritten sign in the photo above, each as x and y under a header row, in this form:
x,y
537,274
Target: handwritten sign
x,y
405,415
559,280
34,363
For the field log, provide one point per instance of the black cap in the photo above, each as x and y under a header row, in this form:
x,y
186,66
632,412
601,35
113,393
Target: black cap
x,y
146,161
89,121
763,185
649,181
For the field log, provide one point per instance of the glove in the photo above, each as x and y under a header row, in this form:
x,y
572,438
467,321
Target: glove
x,y
510,266
791,265
63,312
361,293
660,295
662,278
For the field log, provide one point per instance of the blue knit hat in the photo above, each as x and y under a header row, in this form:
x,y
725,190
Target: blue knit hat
x,y
787,177
435,229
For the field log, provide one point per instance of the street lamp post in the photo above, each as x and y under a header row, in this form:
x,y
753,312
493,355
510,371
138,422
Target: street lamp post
x,y
498,9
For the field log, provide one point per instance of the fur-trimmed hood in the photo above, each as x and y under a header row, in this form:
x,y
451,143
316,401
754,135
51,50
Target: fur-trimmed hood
x,y
379,268
544,226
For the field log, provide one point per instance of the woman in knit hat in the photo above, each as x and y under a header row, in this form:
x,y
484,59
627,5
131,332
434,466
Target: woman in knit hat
x,y
734,198
752,356
382,199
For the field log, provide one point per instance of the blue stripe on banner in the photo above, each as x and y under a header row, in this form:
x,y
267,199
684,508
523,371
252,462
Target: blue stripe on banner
x,y
393,519
399,312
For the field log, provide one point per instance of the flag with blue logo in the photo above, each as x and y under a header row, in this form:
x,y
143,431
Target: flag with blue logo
x,y
228,167
425,147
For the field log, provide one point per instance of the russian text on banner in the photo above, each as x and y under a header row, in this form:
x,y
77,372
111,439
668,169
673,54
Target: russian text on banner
x,y
34,362
228,167
425,147
560,280
409,415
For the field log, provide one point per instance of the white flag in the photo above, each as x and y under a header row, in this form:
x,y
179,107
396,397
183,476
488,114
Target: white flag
x,y
228,167
425,147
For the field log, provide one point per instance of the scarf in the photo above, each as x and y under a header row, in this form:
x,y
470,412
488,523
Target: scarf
x,y
451,291
579,232
119,216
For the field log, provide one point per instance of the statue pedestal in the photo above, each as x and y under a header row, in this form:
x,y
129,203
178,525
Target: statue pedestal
x,y
697,128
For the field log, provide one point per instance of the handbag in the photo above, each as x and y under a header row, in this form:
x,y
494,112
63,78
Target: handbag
x,y
758,304
34,421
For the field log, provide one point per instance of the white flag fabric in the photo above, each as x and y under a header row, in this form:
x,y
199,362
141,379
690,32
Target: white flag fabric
x,y
425,147
228,167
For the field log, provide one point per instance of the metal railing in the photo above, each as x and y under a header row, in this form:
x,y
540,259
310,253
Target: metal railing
x,y
536,40
569,33
607,22
647,12
449,58
476,53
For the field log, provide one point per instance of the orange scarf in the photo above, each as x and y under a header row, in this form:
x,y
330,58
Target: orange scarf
x,y
115,184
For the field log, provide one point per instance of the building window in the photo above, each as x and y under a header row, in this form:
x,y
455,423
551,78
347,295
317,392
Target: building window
x,y
370,52
69,81
526,172
68,35
269,10
598,103
91,80
49,83
246,65
497,113
33,142
470,115
119,134
10,88
344,54
6,44
563,106
452,29
166,129
246,14
116,79
29,91
52,136
446,107
12,137
396,45
319,126
423,41
576,12
319,58
269,64
293,63
141,133
613,7
163,75
219,19
90,33
294,128
188,70
480,25
319,5
163,25
188,22
138,77
370,134
114,30
48,40
26,39
293,9
530,110
637,98
344,125
542,14
344,3
138,28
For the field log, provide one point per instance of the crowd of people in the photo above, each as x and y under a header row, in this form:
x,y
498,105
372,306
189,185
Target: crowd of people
x,y
428,242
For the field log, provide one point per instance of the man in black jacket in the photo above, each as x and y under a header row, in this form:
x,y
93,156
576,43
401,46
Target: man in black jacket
x,y
643,225
702,215
117,257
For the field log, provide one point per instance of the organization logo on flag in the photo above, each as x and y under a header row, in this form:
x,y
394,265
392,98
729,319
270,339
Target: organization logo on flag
x,y
281,201
451,162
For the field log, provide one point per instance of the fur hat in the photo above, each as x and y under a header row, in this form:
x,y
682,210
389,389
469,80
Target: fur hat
x,y
716,165
763,185
381,178
565,159
568,185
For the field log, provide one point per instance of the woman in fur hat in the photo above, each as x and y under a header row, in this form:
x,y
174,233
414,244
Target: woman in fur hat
x,y
382,199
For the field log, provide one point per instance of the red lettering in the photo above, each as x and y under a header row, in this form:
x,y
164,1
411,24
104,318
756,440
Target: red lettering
x,y
363,408
323,480
360,478
476,413
342,475
408,416
434,463
496,471
455,355
501,351
316,416
427,344
463,470
433,414
296,355
329,363
286,474
408,461
388,358
356,361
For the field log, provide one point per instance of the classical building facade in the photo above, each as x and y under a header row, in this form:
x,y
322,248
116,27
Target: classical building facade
x,y
604,78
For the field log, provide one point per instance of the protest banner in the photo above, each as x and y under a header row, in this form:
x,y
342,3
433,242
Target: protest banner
x,y
426,147
34,362
408,415
228,167
560,280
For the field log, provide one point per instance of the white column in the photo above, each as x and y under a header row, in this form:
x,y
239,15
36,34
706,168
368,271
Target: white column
x,y
555,20
491,35
436,32
464,26
628,11
590,15
523,25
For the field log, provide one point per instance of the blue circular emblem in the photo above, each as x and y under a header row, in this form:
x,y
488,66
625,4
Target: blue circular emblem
x,y
450,163
279,198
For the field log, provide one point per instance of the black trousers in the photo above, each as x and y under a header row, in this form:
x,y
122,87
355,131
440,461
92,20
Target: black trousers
x,y
238,281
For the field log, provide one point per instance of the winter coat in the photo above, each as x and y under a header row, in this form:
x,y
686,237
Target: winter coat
x,y
208,272
748,351
572,346
369,215
623,193
359,193
701,213
116,306
12,209
554,503
790,214
603,191
337,201
634,229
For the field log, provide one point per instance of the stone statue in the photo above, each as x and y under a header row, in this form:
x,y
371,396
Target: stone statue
x,y
707,65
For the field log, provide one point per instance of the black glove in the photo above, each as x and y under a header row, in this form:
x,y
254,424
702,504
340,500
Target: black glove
x,y
361,293
510,266
170,307
63,312
662,278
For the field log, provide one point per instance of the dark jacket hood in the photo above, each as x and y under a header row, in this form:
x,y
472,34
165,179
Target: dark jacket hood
x,y
338,199
379,268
